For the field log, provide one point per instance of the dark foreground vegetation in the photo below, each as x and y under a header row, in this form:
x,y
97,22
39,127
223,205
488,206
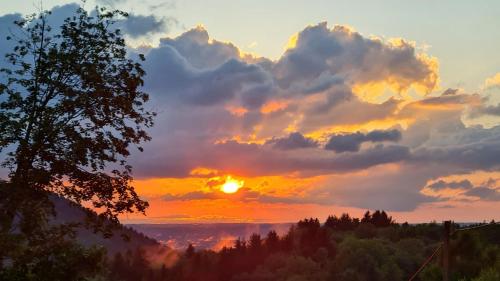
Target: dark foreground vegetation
x,y
345,248
342,248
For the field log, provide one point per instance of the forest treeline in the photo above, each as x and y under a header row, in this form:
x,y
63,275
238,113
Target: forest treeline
x,y
342,248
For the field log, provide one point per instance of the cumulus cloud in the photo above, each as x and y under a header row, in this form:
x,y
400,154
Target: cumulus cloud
x,y
196,47
140,25
193,68
174,78
343,52
492,82
352,142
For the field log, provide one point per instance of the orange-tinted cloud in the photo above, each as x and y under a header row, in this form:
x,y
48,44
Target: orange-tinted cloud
x,y
226,113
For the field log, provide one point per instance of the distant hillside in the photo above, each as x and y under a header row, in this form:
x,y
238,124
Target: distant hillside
x,y
69,212
207,235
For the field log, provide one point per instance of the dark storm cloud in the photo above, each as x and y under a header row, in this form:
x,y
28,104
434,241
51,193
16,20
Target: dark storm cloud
x,y
352,142
293,141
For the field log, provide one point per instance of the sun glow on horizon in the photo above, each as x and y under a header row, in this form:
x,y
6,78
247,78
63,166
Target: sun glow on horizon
x,y
231,185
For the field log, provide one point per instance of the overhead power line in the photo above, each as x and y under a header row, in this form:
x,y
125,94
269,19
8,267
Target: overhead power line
x,y
475,227
428,260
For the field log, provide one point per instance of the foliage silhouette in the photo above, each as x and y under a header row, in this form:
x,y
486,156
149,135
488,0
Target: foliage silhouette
x,y
70,109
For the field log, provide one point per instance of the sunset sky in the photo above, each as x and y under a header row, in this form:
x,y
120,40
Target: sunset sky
x,y
271,111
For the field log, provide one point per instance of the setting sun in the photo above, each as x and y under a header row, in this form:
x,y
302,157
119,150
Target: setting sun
x,y
231,185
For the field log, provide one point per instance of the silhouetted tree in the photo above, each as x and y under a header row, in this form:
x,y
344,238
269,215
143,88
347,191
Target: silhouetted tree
x,y
272,241
332,222
190,250
367,217
70,105
255,243
381,219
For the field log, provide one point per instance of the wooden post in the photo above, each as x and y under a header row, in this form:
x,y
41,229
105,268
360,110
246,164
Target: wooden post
x,y
446,250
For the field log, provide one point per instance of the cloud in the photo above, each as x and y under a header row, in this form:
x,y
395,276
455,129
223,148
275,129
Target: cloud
x,y
111,3
258,160
7,27
244,195
480,155
482,109
293,141
199,50
352,142
298,113
463,184
134,25
343,52
141,25
196,69
484,193
486,190
450,92
196,79
492,82
393,190
173,78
